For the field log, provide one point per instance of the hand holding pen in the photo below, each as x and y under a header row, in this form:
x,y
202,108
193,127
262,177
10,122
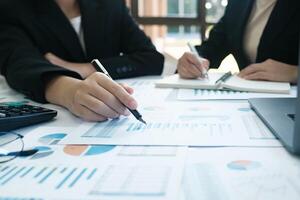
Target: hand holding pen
x,y
96,63
191,65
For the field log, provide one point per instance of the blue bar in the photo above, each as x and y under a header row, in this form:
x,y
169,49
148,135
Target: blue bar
x,y
139,127
63,170
47,176
40,172
130,128
65,179
12,176
149,126
7,173
77,178
4,168
158,125
135,127
92,174
27,172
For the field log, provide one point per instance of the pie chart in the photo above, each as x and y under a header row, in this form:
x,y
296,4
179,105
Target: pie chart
x,y
52,139
84,150
243,165
42,153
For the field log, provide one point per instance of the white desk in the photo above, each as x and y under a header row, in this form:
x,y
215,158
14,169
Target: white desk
x,y
210,173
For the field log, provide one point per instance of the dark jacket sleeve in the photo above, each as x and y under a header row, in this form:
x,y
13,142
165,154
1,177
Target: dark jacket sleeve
x,y
22,64
216,48
139,54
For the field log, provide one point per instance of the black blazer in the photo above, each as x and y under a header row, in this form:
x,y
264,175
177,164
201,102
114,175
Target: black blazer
x,y
279,41
31,28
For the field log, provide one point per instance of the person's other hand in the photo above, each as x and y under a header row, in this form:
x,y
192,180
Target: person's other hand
x,y
270,70
191,66
84,69
97,98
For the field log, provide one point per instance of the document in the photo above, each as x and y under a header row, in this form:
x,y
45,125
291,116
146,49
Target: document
x,y
244,173
233,83
170,124
145,91
105,172
202,94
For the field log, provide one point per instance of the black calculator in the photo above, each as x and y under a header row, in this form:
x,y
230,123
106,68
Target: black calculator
x,y
17,115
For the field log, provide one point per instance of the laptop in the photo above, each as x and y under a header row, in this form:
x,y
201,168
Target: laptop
x,y
282,116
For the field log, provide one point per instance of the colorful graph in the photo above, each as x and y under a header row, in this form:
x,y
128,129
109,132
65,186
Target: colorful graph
x,y
243,165
109,129
56,177
52,139
42,153
83,150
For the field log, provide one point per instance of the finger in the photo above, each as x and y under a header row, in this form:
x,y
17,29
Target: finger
x,y
88,115
117,91
200,63
250,70
129,89
205,63
194,70
189,69
184,73
47,55
107,98
257,76
51,56
98,107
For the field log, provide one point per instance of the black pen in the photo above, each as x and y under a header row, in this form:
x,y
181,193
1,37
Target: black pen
x,y
97,64
224,77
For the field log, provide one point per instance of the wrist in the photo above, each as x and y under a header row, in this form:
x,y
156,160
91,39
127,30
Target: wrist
x,y
87,70
60,90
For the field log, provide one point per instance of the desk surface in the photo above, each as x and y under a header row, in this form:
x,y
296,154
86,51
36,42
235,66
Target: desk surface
x,y
210,173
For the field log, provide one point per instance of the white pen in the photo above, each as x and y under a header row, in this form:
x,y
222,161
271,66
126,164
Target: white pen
x,y
194,50
97,64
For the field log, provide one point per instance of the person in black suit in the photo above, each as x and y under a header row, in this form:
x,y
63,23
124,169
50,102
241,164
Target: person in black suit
x,y
262,35
46,47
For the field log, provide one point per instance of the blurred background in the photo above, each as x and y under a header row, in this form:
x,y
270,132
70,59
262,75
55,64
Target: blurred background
x,y
172,23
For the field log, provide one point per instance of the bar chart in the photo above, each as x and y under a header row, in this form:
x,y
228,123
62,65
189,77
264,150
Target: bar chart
x,y
54,177
216,125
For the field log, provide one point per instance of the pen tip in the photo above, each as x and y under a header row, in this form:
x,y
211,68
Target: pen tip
x,y
141,120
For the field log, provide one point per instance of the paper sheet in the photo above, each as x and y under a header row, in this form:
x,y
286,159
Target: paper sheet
x,y
241,173
92,172
197,94
193,124
145,91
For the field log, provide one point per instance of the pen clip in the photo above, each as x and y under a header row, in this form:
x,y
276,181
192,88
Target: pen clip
x,y
223,78
100,68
